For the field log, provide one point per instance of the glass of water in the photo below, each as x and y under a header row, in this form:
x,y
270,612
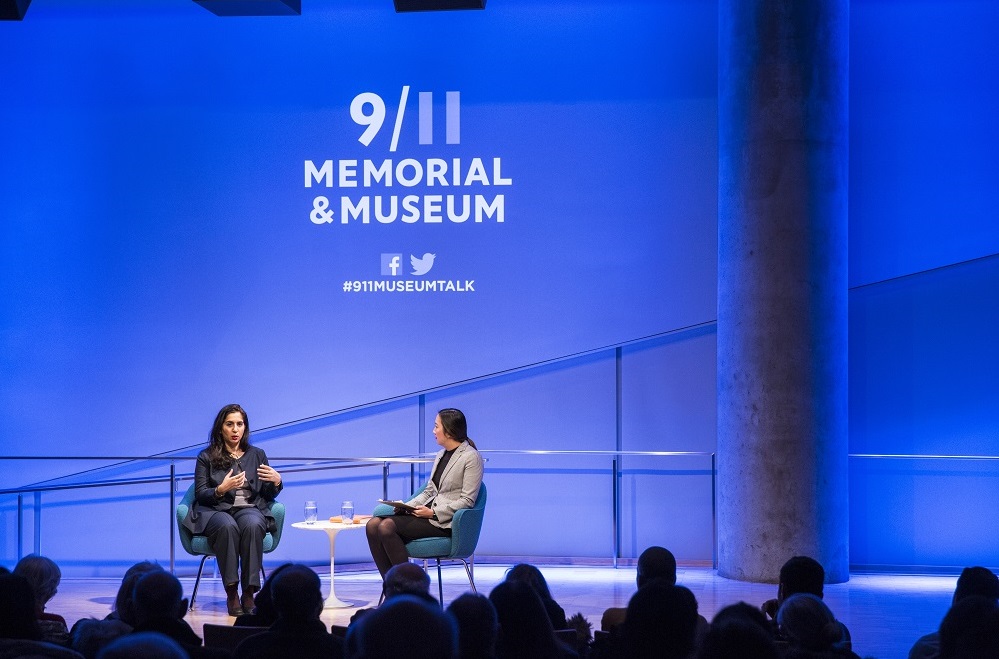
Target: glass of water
x,y
347,512
311,512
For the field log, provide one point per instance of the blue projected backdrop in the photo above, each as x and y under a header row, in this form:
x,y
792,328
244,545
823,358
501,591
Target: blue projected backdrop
x,y
304,214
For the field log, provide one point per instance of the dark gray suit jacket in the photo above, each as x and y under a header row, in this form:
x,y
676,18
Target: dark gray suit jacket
x,y
207,478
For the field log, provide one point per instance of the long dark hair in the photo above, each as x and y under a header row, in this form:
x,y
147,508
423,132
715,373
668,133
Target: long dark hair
x,y
525,630
217,452
533,577
454,425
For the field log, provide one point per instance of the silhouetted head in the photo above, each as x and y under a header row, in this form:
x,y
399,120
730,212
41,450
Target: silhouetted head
x,y
123,607
532,577
524,626
801,574
17,609
148,645
384,632
660,622
969,630
807,623
89,636
976,581
739,630
477,626
407,579
42,574
158,594
296,593
264,601
656,563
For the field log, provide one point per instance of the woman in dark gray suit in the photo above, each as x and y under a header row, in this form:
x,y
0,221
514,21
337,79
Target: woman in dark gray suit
x,y
233,485
457,474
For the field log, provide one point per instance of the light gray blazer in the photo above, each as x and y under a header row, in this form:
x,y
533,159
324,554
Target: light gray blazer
x,y
459,485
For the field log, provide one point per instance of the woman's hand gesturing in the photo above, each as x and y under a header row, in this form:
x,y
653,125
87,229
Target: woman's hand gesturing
x,y
269,474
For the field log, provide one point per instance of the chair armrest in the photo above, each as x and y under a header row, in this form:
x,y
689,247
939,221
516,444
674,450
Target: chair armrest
x,y
185,535
465,528
182,509
383,510
278,510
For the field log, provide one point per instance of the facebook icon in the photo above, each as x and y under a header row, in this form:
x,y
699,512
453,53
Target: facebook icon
x,y
392,264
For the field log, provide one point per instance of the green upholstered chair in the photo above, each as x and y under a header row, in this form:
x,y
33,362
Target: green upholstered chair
x,y
465,528
197,545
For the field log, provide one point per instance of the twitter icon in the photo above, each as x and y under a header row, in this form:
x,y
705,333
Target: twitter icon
x,y
421,266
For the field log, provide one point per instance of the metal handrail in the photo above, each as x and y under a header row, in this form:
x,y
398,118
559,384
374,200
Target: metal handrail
x,y
313,464
366,462
908,456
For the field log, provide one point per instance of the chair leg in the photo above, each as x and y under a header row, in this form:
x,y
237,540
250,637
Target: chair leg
x,y
440,582
468,571
197,581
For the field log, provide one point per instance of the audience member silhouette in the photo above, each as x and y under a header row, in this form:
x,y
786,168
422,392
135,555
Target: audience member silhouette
x,y
159,606
970,630
17,609
402,579
477,626
810,629
147,645
298,632
653,563
661,622
20,635
973,581
525,632
408,579
404,626
90,636
532,577
739,631
800,574
263,614
123,609
43,575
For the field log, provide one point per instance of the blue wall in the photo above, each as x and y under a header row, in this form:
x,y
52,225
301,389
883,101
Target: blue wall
x,y
157,260
923,272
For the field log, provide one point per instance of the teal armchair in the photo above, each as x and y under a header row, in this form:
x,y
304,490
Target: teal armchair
x,y
465,528
197,545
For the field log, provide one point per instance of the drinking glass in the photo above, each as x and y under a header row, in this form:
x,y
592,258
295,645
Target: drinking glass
x,y
347,512
311,512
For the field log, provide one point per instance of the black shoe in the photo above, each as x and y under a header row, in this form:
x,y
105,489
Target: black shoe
x,y
232,601
248,604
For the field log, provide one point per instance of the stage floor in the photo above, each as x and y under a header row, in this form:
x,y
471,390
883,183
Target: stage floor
x,y
885,613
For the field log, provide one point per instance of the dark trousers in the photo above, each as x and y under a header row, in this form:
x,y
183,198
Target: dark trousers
x,y
387,538
237,538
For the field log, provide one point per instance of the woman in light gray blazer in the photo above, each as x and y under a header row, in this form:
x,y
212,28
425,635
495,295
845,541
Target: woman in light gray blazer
x,y
457,474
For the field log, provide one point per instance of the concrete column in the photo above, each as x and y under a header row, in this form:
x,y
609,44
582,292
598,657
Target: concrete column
x,y
782,286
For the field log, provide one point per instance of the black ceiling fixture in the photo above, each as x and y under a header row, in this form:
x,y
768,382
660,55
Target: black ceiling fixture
x,y
252,7
437,5
13,10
